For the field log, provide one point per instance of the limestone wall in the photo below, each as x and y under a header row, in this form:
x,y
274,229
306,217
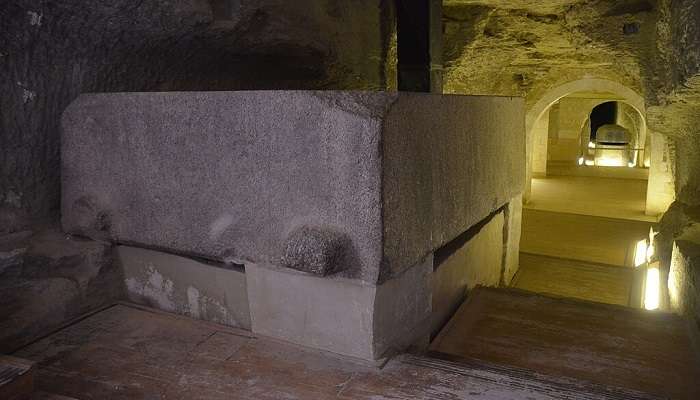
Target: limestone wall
x,y
540,133
684,274
677,247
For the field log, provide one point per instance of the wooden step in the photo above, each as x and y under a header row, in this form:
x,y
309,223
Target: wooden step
x,y
16,378
649,352
579,280
522,379
49,396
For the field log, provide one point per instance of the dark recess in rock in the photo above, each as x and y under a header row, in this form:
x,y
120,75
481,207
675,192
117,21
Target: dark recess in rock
x,y
630,28
630,7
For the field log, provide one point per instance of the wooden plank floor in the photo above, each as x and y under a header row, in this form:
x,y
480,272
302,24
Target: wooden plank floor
x,y
598,196
575,279
581,237
16,378
631,348
128,352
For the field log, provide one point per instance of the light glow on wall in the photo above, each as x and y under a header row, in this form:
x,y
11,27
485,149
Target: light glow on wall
x,y
674,279
591,145
590,163
609,162
640,253
652,289
581,160
652,235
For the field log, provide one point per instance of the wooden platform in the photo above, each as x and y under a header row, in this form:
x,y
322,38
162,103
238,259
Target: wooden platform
x,y
16,378
576,279
49,396
639,350
593,195
580,237
129,352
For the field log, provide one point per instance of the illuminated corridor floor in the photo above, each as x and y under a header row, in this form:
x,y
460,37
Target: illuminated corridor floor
x,y
580,237
589,257
601,197
575,279
579,256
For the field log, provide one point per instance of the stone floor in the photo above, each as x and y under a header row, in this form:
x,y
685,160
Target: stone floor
x,y
129,352
601,197
649,352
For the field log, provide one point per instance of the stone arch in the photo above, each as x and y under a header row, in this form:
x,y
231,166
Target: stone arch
x,y
553,95
628,95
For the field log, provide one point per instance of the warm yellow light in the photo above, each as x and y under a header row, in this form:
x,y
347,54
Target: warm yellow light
x,y
675,278
591,145
647,163
609,162
640,253
650,251
630,164
580,160
651,290
590,163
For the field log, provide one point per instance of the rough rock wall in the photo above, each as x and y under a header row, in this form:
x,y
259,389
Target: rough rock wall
x,y
51,51
516,47
525,48
675,114
677,101
48,278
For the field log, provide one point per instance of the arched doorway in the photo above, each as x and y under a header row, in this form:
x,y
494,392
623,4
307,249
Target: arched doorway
x,y
631,107
589,154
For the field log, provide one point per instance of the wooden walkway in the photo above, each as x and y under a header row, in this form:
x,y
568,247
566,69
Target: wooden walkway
x,y
581,237
128,352
576,279
650,352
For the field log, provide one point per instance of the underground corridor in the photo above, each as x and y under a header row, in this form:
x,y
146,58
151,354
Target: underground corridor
x,y
587,263
377,199
591,167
